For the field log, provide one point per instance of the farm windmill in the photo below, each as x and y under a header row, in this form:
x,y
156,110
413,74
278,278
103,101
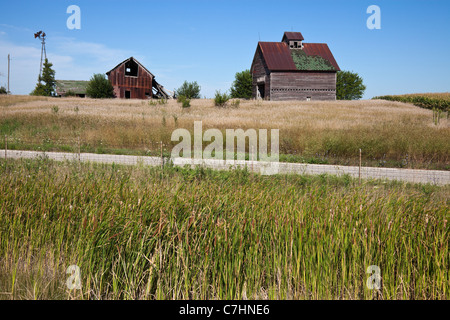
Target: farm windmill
x,y
41,35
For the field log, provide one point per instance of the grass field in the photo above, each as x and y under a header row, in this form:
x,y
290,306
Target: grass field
x,y
143,233
390,134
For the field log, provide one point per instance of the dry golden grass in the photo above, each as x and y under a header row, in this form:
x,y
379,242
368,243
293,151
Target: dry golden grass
x,y
389,133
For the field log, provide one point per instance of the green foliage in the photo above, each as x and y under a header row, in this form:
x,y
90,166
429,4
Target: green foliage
x,y
242,85
55,109
190,90
70,93
3,90
46,82
349,86
220,99
99,87
420,101
235,103
304,62
185,102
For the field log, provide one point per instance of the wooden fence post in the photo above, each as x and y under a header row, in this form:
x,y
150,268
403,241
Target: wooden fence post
x,y
359,166
79,149
162,159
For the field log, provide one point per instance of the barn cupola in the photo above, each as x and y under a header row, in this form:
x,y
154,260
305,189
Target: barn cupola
x,y
293,40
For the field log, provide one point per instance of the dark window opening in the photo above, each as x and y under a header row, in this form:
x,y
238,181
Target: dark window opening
x,y
131,68
127,94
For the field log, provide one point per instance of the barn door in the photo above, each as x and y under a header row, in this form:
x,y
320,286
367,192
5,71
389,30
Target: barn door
x,y
260,91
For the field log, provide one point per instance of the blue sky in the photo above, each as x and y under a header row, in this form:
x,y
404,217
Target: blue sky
x,y
209,41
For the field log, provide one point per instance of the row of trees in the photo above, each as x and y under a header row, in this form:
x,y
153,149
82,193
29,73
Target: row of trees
x,y
349,86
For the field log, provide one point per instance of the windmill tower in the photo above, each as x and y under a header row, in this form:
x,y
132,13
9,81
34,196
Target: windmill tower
x,y
41,35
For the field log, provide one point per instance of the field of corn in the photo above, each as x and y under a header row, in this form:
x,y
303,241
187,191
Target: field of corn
x,y
149,233
432,101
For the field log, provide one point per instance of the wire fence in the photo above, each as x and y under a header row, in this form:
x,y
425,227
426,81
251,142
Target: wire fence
x,y
74,153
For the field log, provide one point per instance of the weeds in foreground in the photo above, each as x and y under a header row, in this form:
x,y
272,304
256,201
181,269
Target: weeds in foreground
x,y
144,233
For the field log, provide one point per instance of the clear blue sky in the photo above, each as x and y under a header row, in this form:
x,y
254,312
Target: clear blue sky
x,y
209,41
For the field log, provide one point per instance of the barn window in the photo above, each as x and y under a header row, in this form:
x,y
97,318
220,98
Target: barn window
x,y
308,98
294,44
131,68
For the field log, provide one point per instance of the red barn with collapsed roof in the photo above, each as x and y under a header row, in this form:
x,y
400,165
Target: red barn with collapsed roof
x,y
131,80
293,70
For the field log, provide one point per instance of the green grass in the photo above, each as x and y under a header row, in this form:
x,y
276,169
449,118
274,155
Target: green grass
x,y
142,233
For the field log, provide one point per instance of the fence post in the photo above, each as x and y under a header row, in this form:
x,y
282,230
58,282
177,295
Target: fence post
x,y
79,150
162,159
359,166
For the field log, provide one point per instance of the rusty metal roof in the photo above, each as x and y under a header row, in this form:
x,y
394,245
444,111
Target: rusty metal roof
x,y
321,50
292,36
277,55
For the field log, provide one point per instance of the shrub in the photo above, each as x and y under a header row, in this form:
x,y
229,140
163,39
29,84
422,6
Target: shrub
x,y
3,90
221,99
190,90
55,109
70,93
99,87
185,102
235,103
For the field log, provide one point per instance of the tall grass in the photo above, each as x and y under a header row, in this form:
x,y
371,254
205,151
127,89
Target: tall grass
x,y
389,133
146,233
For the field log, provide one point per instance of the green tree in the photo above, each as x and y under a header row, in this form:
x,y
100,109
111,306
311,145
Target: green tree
x,y
99,87
46,81
3,90
242,85
349,86
189,90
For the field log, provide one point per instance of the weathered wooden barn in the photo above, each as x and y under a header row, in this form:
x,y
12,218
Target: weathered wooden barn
x,y
131,80
293,70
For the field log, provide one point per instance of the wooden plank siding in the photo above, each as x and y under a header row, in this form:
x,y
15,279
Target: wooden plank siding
x,y
292,85
260,71
138,86
301,85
